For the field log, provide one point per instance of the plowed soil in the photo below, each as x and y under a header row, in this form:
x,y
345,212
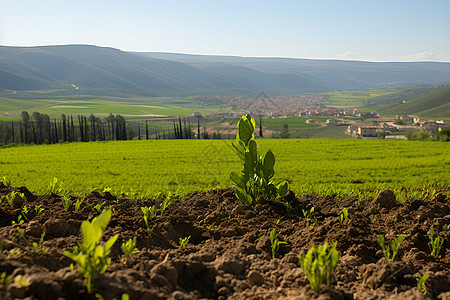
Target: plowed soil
x,y
222,259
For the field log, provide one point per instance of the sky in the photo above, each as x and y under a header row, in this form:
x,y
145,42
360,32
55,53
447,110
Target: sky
x,y
370,30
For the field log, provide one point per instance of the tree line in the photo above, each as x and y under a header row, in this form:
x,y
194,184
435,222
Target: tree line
x,y
39,128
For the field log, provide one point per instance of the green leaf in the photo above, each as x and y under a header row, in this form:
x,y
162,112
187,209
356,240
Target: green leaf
x,y
269,161
237,180
283,188
246,129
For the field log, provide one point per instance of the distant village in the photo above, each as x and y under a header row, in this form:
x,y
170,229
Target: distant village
x,y
312,106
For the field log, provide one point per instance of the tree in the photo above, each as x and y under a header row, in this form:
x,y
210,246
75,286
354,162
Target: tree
x,y
284,134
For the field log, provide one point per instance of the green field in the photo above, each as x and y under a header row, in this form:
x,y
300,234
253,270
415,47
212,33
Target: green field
x,y
357,98
132,107
320,166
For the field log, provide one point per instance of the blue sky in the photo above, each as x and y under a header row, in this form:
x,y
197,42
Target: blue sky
x,y
378,30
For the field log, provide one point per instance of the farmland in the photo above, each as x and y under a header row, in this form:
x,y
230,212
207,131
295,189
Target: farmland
x,y
322,166
130,107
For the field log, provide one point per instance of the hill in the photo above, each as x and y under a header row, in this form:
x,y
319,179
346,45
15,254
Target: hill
x,y
97,70
330,75
432,104
85,69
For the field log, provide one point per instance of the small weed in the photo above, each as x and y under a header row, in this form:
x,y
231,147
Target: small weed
x,y
5,279
310,217
395,245
129,248
421,282
435,244
184,241
25,212
90,257
149,213
318,260
55,187
78,203
343,217
67,202
38,210
275,242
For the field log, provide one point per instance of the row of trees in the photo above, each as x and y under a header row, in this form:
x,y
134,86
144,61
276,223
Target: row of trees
x,y
39,128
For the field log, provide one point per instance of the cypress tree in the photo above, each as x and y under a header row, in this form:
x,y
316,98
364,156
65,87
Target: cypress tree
x,y
146,130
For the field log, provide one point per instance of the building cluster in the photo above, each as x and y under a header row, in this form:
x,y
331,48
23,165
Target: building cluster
x,y
335,112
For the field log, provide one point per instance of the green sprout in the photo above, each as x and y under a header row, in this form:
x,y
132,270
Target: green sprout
x,y
395,245
310,216
38,210
129,248
255,183
91,257
184,241
67,202
275,242
10,198
421,282
149,213
343,217
38,246
78,203
446,227
435,244
55,187
316,261
5,279
25,211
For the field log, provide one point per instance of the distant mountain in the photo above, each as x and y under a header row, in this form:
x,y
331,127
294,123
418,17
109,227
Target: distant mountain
x,y
325,74
109,71
432,104
84,69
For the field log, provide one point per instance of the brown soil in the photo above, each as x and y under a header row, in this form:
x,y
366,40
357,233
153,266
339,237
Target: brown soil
x,y
222,259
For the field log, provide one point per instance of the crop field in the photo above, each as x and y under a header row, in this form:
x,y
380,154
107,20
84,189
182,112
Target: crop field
x,y
133,107
312,166
357,98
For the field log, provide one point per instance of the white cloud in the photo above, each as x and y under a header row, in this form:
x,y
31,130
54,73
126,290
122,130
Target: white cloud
x,y
348,55
421,56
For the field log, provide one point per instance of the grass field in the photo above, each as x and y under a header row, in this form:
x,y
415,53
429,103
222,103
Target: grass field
x,y
319,166
133,107
357,98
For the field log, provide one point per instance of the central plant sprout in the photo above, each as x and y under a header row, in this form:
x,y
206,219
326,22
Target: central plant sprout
x,y
91,257
255,184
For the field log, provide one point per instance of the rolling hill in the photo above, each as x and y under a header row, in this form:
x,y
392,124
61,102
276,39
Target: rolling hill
x,y
432,104
85,69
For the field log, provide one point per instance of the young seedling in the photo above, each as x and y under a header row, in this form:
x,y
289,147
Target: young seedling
x,y
149,213
67,202
255,184
55,187
275,242
91,257
343,217
78,203
310,217
435,244
10,198
38,246
38,210
395,245
318,260
25,212
129,248
421,282
184,241
446,227
5,279
169,200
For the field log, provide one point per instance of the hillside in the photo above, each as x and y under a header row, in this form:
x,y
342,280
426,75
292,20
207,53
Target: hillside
x,y
97,70
328,74
432,104
84,69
